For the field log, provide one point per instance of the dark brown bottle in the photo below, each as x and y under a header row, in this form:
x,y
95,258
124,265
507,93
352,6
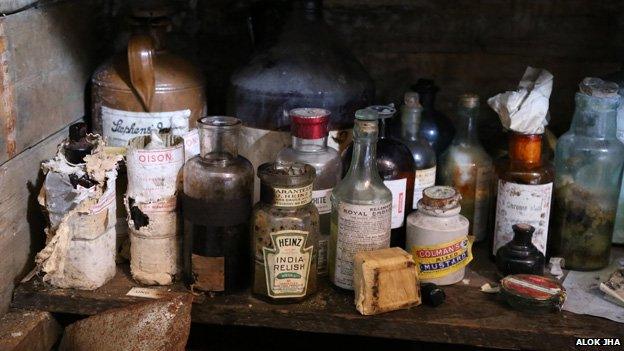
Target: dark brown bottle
x,y
520,256
397,168
218,190
524,191
78,146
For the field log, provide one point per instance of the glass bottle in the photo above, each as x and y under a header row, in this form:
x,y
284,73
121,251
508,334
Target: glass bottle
x,y
524,191
361,204
309,145
423,154
435,127
520,256
285,227
217,201
466,166
396,167
588,163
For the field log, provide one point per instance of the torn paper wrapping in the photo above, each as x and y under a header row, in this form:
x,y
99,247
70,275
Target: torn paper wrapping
x,y
80,245
154,173
525,110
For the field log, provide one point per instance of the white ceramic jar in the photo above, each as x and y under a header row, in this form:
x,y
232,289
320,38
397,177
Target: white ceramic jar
x,y
437,236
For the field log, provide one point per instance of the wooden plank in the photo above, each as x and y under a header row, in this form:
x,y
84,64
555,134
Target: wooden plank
x,y
47,54
21,220
467,317
22,330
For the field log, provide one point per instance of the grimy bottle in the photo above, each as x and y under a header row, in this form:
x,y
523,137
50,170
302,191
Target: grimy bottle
x,y
218,193
361,204
309,145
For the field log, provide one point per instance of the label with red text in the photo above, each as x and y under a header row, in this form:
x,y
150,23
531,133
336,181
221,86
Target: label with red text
x,y
436,261
398,189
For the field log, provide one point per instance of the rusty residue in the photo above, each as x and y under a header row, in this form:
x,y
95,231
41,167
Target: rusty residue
x,y
7,106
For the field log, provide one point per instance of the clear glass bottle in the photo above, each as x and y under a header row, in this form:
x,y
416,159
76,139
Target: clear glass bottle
x,y
361,204
588,164
309,145
435,127
423,154
524,191
466,166
285,227
217,201
396,167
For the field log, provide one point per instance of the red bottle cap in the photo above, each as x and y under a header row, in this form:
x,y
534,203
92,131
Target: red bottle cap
x,y
309,123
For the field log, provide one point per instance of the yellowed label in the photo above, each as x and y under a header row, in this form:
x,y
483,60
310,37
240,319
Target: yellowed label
x,y
287,264
292,197
435,261
424,178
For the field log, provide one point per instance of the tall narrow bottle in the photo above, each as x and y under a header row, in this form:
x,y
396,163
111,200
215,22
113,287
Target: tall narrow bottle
x,y
588,163
218,193
396,167
309,145
423,154
525,184
361,204
466,166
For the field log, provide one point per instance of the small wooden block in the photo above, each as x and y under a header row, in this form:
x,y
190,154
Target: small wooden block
x,y
385,280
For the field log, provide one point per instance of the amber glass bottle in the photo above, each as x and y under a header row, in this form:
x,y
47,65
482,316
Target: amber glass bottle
x,y
525,184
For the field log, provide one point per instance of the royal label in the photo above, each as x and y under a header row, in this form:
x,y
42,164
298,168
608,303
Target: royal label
x,y
437,261
287,264
119,126
397,188
321,199
360,228
520,203
424,179
292,197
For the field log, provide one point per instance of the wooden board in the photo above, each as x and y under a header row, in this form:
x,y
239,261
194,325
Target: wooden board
x,y
47,54
468,316
21,220
22,330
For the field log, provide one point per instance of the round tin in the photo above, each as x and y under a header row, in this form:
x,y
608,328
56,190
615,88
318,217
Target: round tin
x,y
534,292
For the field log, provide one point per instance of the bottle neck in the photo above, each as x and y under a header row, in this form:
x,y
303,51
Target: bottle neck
x,y
383,128
218,145
522,237
364,162
595,117
525,149
467,124
427,99
410,123
309,145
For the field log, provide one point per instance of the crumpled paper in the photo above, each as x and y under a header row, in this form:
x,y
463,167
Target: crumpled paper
x,y
525,110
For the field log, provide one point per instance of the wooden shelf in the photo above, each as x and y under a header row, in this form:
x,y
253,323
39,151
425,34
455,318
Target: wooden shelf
x,y
467,317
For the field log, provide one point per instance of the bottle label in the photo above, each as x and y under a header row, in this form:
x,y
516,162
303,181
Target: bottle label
x,y
287,264
481,202
120,126
321,199
360,228
292,197
397,188
322,257
424,179
520,203
439,260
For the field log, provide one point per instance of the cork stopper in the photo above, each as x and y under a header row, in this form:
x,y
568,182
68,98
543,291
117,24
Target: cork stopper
x,y
599,88
441,197
469,100
412,100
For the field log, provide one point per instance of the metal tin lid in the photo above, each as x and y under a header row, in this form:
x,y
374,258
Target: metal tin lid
x,y
469,100
366,114
384,111
441,197
309,123
524,291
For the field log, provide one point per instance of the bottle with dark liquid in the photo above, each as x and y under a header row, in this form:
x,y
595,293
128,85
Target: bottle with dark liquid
x,y
435,127
397,168
218,193
525,184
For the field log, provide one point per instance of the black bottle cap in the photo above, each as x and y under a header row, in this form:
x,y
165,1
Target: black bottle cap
x,y
78,131
432,294
77,147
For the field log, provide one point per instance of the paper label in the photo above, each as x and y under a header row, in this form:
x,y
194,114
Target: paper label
x,y
148,293
437,261
397,188
321,199
424,179
292,197
520,203
120,126
322,257
287,264
191,144
360,228
153,174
